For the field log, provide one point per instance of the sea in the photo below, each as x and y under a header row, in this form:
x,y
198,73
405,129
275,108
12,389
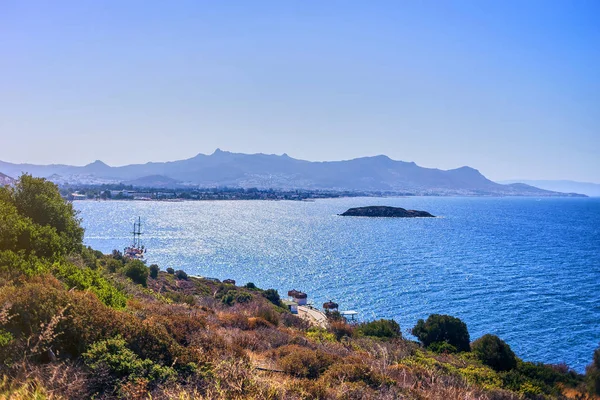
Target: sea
x,y
525,269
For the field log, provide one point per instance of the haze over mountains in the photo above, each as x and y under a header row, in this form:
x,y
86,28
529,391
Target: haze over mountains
x,y
222,168
587,188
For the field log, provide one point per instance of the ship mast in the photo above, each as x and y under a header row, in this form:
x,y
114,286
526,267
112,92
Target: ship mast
x,y
137,240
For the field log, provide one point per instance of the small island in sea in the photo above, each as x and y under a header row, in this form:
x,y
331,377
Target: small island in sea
x,y
386,212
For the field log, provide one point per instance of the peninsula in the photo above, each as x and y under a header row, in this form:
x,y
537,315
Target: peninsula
x,y
385,211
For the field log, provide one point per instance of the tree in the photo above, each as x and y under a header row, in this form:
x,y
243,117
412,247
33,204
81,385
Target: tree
x,y
382,328
17,232
493,351
40,200
154,271
273,296
137,272
442,328
181,275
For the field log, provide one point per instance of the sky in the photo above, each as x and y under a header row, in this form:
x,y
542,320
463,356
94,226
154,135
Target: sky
x,y
511,88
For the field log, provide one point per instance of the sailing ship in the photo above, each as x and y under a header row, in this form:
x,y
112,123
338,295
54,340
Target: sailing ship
x,y
136,250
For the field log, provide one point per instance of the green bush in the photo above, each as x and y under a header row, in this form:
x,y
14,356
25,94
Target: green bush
x,y
14,264
90,279
228,299
112,264
154,271
442,348
273,296
181,275
5,337
593,374
382,328
137,272
19,233
250,285
234,296
443,328
242,297
117,255
41,202
529,377
494,352
120,361
170,271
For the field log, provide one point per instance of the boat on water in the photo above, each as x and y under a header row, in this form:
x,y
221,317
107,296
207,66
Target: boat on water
x,y
136,250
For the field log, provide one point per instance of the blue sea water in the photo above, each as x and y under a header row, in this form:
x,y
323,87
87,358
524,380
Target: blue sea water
x,y
525,269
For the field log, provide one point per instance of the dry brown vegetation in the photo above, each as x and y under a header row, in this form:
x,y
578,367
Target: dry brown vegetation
x,y
212,350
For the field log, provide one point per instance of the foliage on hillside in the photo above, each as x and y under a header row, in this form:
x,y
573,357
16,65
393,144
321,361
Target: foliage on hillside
x,y
75,323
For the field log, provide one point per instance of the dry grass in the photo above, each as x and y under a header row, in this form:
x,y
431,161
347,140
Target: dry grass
x,y
250,350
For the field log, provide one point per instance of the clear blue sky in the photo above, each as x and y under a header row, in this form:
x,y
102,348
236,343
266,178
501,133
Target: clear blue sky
x,y
511,88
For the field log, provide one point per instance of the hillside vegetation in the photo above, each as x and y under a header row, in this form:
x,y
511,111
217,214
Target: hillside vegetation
x,y
76,323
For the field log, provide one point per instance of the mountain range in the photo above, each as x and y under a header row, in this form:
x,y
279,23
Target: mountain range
x,y
223,168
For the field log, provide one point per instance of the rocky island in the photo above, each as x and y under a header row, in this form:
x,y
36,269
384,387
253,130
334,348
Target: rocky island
x,y
385,211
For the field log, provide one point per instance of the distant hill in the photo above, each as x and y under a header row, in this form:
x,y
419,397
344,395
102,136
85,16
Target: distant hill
x,y
565,186
5,180
222,168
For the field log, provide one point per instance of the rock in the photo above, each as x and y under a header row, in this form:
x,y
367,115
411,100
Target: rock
x,y
384,211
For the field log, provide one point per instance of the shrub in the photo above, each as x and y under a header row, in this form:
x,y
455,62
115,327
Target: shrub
x,y
529,377
341,329
494,352
181,275
320,335
154,271
442,328
16,264
273,296
84,318
117,255
353,372
137,272
303,362
268,314
442,348
89,279
383,328
250,285
170,271
334,315
593,374
114,355
5,338
242,297
113,265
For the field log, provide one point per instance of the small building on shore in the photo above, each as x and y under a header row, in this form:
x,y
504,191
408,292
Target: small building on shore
x,y
291,305
330,306
298,297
